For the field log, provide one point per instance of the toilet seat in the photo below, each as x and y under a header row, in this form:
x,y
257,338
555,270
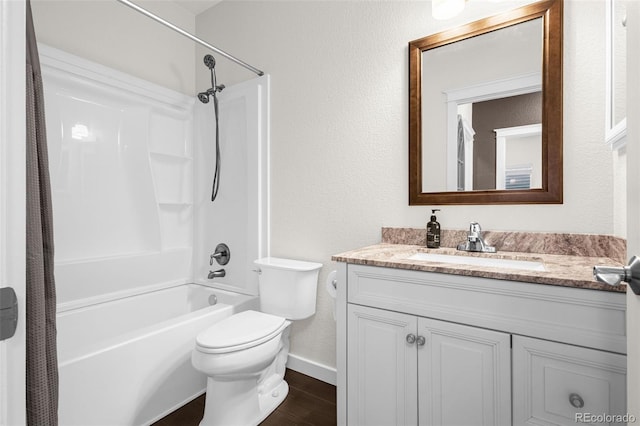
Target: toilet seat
x,y
240,331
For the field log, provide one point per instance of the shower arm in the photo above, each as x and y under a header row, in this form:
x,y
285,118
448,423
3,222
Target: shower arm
x,y
189,35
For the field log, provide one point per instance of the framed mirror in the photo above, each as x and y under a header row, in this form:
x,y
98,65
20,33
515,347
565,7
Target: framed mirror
x,y
485,111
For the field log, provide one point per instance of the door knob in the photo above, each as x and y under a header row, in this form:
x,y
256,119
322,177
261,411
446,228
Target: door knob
x,y
576,400
613,275
411,339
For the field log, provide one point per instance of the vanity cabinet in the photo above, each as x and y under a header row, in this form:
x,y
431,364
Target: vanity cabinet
x,y
414,370
423,348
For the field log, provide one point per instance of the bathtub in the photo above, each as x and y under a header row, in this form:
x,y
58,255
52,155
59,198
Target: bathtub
x,y
128,361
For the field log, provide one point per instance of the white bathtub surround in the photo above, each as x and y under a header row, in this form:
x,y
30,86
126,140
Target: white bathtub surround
x,y
122,178
240,215
122,165
128,361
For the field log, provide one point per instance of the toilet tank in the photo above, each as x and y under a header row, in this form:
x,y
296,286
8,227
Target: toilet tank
x,y
288,287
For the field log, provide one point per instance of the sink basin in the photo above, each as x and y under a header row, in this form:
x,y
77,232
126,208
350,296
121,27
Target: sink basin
x,y
479,261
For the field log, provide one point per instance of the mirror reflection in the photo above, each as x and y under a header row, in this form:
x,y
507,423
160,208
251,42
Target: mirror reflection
x,y
482,111
616,51
619,60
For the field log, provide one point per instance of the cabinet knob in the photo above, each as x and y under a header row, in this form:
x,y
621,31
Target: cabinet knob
x,y
421,340
576,400
411,338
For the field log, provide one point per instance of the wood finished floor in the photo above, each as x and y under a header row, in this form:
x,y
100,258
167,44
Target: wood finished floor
x,y
310,402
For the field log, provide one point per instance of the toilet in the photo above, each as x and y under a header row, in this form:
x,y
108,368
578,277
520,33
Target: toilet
x,y
244,355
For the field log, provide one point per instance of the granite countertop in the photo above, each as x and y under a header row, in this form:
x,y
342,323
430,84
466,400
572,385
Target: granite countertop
x,y
560,270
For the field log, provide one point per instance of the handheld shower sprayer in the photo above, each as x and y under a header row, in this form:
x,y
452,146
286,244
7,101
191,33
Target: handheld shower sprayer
x,y
204,97
210,62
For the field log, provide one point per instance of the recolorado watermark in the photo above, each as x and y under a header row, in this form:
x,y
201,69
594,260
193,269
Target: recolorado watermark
x,y
604,418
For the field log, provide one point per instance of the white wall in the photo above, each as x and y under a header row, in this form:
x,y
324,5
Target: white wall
x,y
114,35
339,113
339,127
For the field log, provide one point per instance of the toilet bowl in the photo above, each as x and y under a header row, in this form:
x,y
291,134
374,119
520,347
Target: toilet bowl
x,y
244,356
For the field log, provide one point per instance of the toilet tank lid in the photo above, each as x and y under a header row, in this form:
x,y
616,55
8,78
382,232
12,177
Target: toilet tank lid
x,y
288,264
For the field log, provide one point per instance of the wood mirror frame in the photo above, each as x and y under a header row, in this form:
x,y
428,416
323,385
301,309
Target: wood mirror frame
x,y
552,185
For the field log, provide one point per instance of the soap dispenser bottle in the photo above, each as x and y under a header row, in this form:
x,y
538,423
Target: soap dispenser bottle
x,y
433,231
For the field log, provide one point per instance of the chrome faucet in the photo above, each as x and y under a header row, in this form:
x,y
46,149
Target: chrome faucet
x,y
475,242
216,274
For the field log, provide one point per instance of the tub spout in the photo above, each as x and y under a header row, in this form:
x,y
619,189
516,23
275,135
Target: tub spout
x,y
216,274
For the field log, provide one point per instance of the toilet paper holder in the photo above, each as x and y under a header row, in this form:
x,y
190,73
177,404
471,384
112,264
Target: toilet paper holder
x,y
332,283
332,289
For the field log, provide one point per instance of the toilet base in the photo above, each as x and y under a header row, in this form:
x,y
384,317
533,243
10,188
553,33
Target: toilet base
x,y
247,399
270,401
238,403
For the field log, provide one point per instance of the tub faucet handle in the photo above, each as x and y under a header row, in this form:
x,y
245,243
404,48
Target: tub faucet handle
x,y
221,255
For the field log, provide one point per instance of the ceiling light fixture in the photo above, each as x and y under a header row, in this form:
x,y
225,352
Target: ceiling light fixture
x,y
446,9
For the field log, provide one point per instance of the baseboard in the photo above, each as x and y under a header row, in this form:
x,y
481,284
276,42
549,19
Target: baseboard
x,y
313,369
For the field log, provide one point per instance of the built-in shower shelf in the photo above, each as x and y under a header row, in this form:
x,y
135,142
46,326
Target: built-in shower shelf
x,y
167,155
176,219
172,177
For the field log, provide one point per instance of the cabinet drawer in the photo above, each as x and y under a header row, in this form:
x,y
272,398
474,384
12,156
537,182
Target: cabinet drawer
x,y
589,318
557,384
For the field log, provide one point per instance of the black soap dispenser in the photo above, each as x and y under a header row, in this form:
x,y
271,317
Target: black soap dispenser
x,y
433,231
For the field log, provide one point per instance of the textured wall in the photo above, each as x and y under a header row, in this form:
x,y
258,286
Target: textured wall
x,y
114,35
339,128
339,114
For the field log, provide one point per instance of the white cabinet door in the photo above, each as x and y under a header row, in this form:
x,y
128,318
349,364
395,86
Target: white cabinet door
x,y
464,375
382,373
559,384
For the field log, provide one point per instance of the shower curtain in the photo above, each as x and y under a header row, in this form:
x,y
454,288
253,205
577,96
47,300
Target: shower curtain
x,y
42,360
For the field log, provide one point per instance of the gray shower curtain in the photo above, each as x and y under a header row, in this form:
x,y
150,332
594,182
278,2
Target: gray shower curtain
x,y
42,359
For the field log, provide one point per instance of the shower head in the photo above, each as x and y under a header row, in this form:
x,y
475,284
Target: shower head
x,y
204,97
210,61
